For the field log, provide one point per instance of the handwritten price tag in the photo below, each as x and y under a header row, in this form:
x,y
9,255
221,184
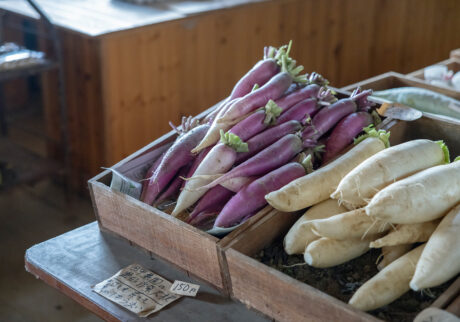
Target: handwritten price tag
x,y
184,288
137,289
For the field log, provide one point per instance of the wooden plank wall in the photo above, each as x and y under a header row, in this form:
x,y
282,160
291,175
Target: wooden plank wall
x,y
155,74
124,87
84,105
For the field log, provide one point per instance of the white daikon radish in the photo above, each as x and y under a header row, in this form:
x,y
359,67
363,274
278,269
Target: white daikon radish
x,y
391,253
440,261
424,196
326,252
385,167
389,284
300,234
348,225
318,186
407,234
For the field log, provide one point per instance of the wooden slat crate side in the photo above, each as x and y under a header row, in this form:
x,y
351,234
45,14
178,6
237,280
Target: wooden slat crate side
x,y
454,307
449,296
168,237
282,297
393,80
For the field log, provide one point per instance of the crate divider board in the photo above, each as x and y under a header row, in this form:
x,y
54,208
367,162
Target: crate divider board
x,y
393,80
282,297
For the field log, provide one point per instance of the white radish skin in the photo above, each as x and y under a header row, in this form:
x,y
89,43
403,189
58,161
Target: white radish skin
x,y
213,163
424,196
349,225
407,234
440,261
317,186
326,252
384,168
389,284
300,234
391,253
235,184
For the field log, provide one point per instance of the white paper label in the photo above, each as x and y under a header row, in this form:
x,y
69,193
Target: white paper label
x,y
138,290
125,185
184,288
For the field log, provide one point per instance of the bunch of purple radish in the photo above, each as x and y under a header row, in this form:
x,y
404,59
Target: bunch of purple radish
x,y
275,127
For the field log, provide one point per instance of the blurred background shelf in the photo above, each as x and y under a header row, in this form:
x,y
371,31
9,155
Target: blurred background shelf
x,y
19,165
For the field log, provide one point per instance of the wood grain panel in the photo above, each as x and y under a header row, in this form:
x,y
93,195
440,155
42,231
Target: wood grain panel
x,y
84,107
124,87
157,74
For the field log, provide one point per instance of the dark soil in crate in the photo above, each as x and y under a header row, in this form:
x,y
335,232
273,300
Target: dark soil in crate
x,y
343,280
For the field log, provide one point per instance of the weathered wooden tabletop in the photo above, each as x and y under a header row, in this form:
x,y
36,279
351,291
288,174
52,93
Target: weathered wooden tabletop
x,y
76,260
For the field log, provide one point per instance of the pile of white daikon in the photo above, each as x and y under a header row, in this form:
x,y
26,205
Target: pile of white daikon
x,y
375,196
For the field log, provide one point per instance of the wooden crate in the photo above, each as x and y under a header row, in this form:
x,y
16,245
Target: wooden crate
x,y
284,298
394,80
451,63
181,244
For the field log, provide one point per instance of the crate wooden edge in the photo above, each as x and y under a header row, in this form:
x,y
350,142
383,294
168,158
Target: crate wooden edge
x,y
161,234
419,72
235,258
224,290
411,81
351,87
448,300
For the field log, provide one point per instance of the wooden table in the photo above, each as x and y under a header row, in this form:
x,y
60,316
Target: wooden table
x,y
130,69
76,260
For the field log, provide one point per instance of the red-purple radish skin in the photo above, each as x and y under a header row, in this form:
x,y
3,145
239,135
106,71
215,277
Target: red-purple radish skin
x,y
271,158
252,197
176,157
219,160
344,132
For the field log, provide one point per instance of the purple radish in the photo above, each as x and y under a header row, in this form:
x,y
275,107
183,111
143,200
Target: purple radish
x,y
301,111
219,160
266,138
272,90
285,103
212,201
236,184
252,197
175,185
272,157
293,98
344,133
257,122
307,108
175,158
325,119
260,74
149,175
